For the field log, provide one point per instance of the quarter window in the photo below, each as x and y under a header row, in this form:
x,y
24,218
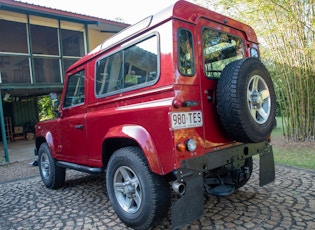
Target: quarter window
x,y
75,90
186,61
219,49
130,68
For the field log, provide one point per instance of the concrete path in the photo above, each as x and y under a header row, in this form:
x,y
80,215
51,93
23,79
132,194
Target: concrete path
x,y
20,150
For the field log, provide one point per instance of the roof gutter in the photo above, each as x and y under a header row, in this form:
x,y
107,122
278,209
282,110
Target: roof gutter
x,y
46,13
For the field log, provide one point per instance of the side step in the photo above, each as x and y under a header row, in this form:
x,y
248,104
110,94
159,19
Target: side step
x,y
78,167
221,190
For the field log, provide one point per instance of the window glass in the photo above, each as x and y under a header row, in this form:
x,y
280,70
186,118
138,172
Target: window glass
x,y
67,62
135,66
108,72
13,37
185,50
219,49
43,53
44,40
140,62
47,70
75,90
72,43
14,69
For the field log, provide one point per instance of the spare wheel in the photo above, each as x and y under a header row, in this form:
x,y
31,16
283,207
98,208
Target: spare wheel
x,y
246,101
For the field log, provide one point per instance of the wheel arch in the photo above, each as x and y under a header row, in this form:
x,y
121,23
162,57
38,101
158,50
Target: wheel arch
x,y
131,135
39,141
48,139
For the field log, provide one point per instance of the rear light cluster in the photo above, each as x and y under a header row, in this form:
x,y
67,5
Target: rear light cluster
x,y
189,145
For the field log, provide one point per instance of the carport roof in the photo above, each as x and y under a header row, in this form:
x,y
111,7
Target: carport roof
x,y
30,90
31,9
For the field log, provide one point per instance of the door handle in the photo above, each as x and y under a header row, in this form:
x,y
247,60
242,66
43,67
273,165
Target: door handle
x,y
190,103
78,127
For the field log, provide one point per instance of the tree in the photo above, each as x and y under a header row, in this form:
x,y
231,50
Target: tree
x,y
45,108
286,30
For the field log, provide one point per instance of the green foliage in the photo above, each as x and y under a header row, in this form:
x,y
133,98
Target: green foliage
x,y
286,31
45,108
297,154
300,157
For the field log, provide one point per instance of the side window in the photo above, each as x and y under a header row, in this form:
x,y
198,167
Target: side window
x,y
108,74
141,62
75,90
186,62
135,66
219,49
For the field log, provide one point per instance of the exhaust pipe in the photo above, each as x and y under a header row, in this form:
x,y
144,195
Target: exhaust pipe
x,y
179,188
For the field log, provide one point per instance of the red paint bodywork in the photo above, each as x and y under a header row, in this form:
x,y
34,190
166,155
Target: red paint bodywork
x,y
141,116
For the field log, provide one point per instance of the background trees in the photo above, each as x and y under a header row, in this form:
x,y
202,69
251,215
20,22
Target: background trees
x,y
45,109
286,31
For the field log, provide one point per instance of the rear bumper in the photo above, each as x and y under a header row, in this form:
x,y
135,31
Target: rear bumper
x,y
234,155
190,207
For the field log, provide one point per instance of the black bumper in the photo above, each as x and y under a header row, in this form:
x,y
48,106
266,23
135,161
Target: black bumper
x,y
189,206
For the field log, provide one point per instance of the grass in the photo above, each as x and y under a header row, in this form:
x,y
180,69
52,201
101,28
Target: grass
x,y
297,154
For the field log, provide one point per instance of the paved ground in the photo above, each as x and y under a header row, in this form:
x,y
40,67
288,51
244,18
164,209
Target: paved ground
x,y
25,203
20,150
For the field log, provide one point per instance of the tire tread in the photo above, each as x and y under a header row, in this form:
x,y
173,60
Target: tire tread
x,y
232,108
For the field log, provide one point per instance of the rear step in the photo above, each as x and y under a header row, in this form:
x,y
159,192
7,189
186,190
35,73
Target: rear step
x,y
221,190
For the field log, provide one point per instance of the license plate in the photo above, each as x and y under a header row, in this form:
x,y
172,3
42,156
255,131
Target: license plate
x,y
186,119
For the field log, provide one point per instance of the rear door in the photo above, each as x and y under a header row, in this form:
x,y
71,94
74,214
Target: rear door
x,y
219,45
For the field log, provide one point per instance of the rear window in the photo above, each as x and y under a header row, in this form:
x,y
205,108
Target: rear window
x,y
219,49
133,67
186,61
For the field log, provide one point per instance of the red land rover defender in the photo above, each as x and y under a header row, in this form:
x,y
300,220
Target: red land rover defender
x,y
178,102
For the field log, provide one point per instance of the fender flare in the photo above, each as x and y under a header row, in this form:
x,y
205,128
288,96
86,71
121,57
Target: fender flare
x,y
141,136
50,142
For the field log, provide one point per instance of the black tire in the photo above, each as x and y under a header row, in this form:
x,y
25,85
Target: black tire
x,y
246,101
139,197
52,175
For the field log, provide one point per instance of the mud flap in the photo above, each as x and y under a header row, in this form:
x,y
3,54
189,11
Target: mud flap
x,y
266,166
190,206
